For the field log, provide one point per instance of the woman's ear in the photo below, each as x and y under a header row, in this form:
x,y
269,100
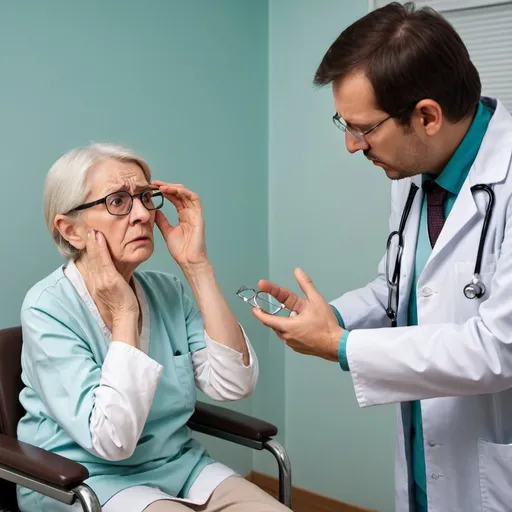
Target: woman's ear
x,y
71,231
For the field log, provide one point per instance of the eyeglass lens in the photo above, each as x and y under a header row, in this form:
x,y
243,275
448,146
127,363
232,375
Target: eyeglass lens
x,y
120,203
261,300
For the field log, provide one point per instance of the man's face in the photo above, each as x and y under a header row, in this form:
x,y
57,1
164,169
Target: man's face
x,y
396,148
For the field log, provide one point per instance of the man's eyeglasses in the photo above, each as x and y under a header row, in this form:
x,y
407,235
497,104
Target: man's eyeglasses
x,y
261,300
360,135
121,203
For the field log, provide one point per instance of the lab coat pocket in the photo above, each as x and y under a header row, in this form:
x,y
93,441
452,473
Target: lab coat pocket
x,y
185,376
495,465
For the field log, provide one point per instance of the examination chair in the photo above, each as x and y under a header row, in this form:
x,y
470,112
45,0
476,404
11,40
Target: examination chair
x,y
63,479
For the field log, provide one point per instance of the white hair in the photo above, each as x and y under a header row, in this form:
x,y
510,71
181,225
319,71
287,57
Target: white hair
x,y
65,187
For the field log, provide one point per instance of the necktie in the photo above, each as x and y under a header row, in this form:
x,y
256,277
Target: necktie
x,y
436,196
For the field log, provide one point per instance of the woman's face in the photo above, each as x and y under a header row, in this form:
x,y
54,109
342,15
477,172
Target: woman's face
x,y
129,237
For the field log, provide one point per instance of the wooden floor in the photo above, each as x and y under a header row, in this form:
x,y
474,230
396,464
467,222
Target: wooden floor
x,y
304,501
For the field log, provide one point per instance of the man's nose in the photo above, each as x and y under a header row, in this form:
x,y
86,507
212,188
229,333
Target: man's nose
x,y
354,144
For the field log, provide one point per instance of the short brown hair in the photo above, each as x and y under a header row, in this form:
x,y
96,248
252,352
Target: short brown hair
x,y
408,54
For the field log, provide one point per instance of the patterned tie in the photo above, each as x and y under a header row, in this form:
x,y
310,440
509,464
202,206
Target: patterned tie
x,y
436,196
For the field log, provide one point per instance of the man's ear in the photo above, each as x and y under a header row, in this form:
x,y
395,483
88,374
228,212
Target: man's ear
x,y
431,116
71,231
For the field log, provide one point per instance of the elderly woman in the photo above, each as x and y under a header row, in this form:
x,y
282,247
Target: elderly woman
x,y
112,356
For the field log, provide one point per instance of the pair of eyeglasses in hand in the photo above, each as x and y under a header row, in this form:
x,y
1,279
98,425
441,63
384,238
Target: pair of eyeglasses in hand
x,y
261,300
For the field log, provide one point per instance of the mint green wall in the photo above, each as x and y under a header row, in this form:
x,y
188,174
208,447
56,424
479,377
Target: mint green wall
x,y
216,95
183,83
328,214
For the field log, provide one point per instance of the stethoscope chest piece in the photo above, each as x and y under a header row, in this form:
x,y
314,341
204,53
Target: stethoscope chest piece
x,y
475,289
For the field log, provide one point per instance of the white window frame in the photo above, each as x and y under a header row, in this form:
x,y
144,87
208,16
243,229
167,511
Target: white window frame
x,y
450,5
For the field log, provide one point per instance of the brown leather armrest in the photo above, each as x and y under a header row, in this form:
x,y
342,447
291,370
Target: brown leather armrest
x,y
37,463
232,422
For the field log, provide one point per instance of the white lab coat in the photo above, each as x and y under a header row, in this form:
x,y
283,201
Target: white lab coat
x,y
458,360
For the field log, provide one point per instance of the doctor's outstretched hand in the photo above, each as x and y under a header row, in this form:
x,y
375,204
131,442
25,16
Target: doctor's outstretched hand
x,y
314,330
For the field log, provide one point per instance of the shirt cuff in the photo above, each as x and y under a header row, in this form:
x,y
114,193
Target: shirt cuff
x,y
342,351
121,356
338,317
221,351
220,373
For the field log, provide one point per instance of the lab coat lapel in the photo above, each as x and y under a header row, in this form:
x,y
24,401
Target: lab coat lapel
x,y
491,166
410,240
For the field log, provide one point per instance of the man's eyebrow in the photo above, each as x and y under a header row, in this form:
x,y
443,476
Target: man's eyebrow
x,y
361,125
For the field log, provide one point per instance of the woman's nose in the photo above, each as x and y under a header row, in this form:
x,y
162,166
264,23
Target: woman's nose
x,y
139,211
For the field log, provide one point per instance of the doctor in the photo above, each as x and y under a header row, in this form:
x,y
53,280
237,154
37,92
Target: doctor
x,y
408,96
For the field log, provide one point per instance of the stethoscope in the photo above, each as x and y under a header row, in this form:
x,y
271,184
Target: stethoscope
x,y
473,290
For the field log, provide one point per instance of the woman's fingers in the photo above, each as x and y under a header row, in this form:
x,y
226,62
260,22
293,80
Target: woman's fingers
x,y
91,248
163,223
98,255
173,195
104,254
179,195
159,183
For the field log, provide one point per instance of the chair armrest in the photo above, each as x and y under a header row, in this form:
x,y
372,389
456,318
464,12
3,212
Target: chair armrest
x,y
230,422
41,464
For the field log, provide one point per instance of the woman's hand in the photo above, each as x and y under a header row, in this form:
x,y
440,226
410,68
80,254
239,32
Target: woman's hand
x,y
113,296
186,241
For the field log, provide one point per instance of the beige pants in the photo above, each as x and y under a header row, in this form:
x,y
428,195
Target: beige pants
x,y
235,494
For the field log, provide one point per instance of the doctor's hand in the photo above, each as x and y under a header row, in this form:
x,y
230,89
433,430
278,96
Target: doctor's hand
x,y
314,330
186,240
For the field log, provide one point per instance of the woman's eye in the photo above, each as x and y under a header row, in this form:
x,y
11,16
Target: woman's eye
x,y
116,201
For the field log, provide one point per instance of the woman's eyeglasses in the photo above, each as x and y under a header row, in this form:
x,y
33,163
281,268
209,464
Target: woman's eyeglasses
x,y
121,203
